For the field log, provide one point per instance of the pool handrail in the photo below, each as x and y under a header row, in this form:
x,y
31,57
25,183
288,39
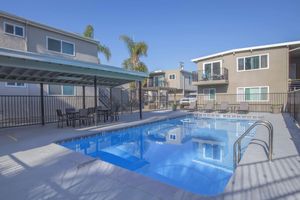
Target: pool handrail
x,y
265,123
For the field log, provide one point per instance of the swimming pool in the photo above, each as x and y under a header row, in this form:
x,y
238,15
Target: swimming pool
x,y
195,154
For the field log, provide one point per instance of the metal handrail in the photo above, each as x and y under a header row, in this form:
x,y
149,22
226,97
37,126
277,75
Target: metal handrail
x,y
268,125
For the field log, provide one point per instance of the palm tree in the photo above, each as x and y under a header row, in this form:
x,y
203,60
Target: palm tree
x,y
136,50
89,33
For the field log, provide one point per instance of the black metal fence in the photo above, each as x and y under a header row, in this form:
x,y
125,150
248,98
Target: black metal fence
x,y
262,102
293,106
26,110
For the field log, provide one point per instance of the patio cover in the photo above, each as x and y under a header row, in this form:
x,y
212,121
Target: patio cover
x,y
20,66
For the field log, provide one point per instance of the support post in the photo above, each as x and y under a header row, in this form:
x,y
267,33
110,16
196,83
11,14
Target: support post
x,y
83,97
42,104
140,99
110,97
95,92
121,101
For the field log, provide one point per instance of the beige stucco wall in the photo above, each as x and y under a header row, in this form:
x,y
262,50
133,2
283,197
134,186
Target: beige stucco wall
x,y
276,76
34,40
10,41
181,77
37,40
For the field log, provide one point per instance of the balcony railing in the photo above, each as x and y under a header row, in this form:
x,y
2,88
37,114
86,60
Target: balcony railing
x,y
204,77
294,84
160,83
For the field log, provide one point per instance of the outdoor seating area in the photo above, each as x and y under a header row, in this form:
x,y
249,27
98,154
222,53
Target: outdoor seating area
x,y
86,117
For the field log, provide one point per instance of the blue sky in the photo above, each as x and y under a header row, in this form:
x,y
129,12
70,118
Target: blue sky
x,y
175,30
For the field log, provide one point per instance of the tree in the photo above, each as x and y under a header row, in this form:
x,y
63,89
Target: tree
x,y
136,50
89,33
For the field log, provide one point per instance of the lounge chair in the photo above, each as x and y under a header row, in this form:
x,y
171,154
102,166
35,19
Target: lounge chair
x,y
224,107
243,108
209,107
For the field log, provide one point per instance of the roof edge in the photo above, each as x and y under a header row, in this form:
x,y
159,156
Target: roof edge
x,y
46,27
245,49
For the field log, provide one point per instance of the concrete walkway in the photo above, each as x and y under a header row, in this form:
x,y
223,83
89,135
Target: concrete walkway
x,y
33,167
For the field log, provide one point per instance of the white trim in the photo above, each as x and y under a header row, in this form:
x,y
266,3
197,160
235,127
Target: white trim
x,y
259,55
14,29
61,90
249,87
172,78
246,49
212,158
61,46
15,86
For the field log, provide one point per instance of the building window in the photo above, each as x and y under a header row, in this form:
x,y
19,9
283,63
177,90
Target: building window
x,y
253,62
212,151
172,137
172,76
212,70
259,93
15,84
66,90
209,94
14,29
60,46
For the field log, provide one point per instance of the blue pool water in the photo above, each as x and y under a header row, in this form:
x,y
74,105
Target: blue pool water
x,y
190,153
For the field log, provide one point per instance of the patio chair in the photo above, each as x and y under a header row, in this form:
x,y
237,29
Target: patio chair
x,y
70,116
84,117
243,108
224,107
61,118
114,115
209,107
91,113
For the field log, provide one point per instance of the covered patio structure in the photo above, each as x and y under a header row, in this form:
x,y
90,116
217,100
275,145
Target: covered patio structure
x,y
28,67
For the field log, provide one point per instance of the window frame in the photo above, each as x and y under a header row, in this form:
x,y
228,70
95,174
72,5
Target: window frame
x,y
212,158
244,99
209,99
172,75
62,90
15,86
212,62
61,46
14,29
244,58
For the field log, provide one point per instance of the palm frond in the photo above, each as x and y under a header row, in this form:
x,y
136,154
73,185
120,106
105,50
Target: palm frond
x,y
141,49
128,41
105,51
127,64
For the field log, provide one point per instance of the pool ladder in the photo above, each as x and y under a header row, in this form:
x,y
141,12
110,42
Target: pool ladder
x,y
237,144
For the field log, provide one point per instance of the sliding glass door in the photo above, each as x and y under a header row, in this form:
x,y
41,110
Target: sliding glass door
x,y
212,70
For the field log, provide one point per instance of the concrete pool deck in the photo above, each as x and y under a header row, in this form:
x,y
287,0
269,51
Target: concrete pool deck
x,y
33,167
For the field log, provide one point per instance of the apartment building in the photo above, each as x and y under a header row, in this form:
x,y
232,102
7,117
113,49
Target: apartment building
x,y
43,68
20,34
176,79
252,73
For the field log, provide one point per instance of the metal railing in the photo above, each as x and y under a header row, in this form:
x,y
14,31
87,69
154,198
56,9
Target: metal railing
x,y
203,75
293,104
237,143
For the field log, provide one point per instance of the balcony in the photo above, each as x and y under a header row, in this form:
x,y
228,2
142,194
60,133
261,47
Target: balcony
x,y
214,77
294,84
159,83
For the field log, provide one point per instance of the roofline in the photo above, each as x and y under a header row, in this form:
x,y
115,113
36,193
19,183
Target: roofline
x,y
51,59
167,70
246,49
45,27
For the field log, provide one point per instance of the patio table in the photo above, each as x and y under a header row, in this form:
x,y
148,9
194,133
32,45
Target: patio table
x,y
104,112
